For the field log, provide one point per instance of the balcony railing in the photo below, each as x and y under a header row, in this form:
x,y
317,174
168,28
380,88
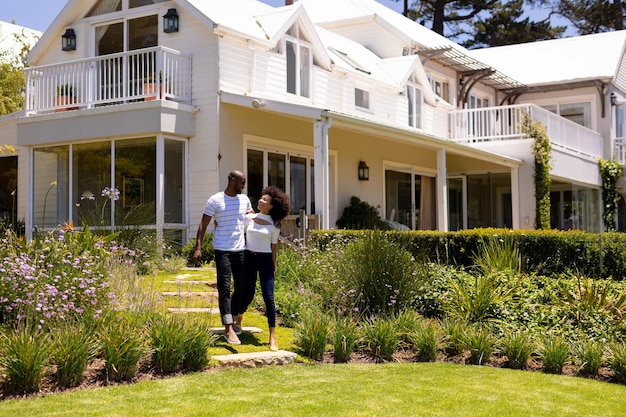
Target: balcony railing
x,y
490,124
145,74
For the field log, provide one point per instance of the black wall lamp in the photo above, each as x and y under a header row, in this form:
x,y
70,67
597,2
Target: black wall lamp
x,y
170,21
68,40
613,99
364,171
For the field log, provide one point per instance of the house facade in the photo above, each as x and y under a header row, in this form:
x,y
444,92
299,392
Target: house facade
x,y
159,100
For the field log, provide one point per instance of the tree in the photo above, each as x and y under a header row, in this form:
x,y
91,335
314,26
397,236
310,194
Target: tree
x,y
591,16
506,27
12,81
483,22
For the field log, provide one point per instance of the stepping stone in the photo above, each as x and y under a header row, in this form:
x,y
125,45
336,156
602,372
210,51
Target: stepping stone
x,y
192,282
244,329
183,310
203,294
256,359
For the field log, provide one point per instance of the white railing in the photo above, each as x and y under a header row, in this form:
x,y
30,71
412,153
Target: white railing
x,y
490,124
145,74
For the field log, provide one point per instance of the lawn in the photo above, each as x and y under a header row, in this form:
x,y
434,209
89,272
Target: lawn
x,y
408,389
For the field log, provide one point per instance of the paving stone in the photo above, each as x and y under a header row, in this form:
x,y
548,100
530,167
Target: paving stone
x,y
192,282
182,310
244,329
203,294
256,359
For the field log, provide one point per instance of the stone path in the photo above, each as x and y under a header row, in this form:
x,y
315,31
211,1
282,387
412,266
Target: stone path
x,y
241,360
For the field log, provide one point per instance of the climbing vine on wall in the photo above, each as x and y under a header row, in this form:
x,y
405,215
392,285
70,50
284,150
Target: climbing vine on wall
x,y
541,149
610,172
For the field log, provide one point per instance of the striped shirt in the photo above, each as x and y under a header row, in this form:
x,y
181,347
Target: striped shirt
x,y
229,213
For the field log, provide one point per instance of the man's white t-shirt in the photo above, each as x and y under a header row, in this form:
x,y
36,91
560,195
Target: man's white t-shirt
x,y
229,214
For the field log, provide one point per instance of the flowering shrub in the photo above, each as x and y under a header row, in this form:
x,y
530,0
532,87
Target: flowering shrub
x,y
53,277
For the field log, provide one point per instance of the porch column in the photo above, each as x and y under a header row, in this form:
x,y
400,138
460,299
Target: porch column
x,y
515,200
321,171
160,192
442,191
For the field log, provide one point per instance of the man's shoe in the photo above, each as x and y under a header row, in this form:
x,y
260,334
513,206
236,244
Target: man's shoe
x,y
236,329
232,339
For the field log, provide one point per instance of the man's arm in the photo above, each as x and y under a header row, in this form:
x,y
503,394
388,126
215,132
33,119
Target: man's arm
x,y
197,253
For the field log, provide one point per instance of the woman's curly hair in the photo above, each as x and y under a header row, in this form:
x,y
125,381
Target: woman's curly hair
x,y
279,201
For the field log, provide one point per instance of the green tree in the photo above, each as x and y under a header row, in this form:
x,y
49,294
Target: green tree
x,y
12,81
591,16
484,22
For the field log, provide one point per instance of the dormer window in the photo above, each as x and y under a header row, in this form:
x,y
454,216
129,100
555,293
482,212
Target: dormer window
x,y
415,100
299,63
362,99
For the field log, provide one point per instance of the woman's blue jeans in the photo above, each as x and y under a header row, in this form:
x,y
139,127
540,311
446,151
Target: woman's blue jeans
x,y
261,265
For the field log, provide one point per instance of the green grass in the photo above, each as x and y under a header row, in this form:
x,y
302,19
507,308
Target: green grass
x,y
416,389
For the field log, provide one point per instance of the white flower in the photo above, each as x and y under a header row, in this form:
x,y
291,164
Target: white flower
x,y
87,195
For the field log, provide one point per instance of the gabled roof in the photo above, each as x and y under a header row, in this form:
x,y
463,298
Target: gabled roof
x,y
430,45
559,61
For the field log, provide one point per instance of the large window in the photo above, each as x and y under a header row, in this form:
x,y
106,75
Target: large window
x,y
489,200
299,63
108,183
410,200
292,172
576,112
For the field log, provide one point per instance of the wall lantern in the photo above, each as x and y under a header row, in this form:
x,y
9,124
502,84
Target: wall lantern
x,y
68,40
613,99
364,171
170,21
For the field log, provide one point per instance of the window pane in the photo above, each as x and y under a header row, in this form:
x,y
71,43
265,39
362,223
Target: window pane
x,y
105,6
91,172
50,186
297,190
143,32
312,181
305,71
174,181
398,197
576,112
291,67
276,170
109,39
254,183
135,177
411,99
8,187
139,3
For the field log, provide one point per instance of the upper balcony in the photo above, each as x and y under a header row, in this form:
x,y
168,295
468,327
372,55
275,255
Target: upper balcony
x,y
489,124
140,75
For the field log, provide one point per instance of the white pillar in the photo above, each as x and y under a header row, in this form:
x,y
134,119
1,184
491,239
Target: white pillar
x,y
515,199
321,173
442,191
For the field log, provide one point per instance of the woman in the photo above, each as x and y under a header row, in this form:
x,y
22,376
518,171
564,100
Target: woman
x,y
262,230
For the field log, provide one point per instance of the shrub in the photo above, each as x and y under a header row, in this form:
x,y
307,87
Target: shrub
x,y
359,215
123,345
618,361
344,337
167,338
454,336
23,358
517,347
312,334
380,338
426,340
383,275
407,322
199,338
589,356
554,353
481,344
73,348
206,250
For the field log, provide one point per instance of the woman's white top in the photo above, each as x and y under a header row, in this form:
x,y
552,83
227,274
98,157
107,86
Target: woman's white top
x,y
259,237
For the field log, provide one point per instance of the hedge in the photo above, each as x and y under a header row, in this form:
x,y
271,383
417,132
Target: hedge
x,y
546,252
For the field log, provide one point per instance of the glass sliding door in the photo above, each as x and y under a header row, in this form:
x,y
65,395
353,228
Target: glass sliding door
x,y
410,200
457,208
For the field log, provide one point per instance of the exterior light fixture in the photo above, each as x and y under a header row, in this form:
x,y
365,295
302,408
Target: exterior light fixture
x,y
257,104
68,40
613,99
170,21
364,171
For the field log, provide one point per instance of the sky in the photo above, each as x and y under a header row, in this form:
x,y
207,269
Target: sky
x,y
39,14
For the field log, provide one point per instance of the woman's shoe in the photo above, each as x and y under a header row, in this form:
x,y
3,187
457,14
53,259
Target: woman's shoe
x,y
274,348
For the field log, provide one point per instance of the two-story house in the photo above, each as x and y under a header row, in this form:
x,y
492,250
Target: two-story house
x,y
325,99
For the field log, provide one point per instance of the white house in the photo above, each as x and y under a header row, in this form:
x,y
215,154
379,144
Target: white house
x,y
300,97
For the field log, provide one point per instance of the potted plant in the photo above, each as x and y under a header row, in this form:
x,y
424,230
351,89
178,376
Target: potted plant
x,y
64,97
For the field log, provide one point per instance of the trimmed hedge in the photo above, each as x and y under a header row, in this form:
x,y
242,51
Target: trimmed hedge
x,y
546,252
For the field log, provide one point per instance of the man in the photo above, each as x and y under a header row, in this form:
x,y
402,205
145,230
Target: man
x,y
227,209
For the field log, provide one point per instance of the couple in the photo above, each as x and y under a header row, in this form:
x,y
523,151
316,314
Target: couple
x,y
245,244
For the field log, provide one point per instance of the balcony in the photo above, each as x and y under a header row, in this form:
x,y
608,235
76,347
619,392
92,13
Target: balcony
x,y
489,124
141,75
